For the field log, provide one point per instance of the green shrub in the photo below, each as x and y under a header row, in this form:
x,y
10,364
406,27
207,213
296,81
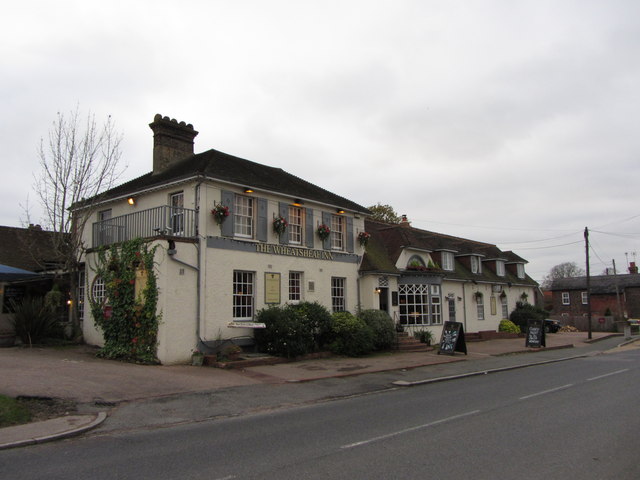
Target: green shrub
x,y
384,332
318,319
508,326
352,336
33,320
525,312
425,336
287,334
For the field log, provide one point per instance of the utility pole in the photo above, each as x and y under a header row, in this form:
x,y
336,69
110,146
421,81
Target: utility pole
x,y
615,275
586,244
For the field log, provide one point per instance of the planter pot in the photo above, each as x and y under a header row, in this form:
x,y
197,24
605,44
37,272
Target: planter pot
x,y
7,340
197,360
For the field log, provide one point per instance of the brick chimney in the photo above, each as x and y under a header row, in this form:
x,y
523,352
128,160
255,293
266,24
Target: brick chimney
x,y
633,269
172,142
404,221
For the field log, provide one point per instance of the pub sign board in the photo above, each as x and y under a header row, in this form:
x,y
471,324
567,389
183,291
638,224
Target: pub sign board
x,y
452,339
535,334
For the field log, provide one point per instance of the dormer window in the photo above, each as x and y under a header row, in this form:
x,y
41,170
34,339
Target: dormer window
x,y
447,261
476,264
500,268
520,270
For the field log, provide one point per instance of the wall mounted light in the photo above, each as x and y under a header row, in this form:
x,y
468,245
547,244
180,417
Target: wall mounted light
x,y
297,203
131,201
377,291
339,211
248,190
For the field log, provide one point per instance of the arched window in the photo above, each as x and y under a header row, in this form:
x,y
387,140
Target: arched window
x,y
416,262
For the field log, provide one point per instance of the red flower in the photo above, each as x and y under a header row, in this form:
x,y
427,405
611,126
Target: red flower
x,y
132,281
134,340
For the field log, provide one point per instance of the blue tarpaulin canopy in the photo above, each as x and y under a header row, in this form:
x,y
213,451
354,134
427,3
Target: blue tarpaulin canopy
x,y
9,274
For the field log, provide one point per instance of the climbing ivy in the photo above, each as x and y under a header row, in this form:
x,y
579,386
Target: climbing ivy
x,y
129,324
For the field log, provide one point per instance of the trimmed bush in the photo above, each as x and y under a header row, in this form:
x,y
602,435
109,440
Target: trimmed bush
x,y
382,326
508,326
286,333
318,319
352,336
525,312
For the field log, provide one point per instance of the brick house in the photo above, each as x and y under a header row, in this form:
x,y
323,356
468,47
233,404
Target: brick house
x,y
611,295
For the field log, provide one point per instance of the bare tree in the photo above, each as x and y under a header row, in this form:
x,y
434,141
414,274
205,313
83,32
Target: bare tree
x,y
79,161
562,270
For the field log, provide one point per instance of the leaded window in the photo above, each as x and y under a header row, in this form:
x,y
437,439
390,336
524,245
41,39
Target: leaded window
x,y
243,216
295,286
337,232
338,299
243,295
296,225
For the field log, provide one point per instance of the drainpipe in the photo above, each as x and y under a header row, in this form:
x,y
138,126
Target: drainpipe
x,y
464,306
199,305
197,268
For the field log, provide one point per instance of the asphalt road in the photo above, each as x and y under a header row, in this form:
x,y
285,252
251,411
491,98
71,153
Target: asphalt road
x,y
566,420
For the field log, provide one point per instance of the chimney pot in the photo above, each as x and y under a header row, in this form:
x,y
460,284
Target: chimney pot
x,y
172,142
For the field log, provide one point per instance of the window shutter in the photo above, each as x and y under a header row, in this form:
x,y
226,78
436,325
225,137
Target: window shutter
x,y
227,224
284,213
349,234
309,228
326,219
262,231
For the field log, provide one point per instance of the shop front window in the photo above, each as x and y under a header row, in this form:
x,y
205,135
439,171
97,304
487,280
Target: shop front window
x,y
420,304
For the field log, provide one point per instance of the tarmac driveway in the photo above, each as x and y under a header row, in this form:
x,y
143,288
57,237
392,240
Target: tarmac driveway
x,y
75,373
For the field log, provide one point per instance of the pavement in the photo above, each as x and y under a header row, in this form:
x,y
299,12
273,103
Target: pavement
x,y
114,396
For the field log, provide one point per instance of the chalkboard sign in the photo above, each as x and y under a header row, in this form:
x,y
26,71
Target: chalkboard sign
x,y
535,334
452,339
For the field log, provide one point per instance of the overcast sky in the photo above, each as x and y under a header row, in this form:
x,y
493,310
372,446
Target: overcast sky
x,y
509,122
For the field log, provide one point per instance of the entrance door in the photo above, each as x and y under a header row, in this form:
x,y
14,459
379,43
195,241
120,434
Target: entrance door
x,y
383,296
452,309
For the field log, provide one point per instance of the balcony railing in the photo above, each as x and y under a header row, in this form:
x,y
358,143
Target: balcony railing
x,y
164,220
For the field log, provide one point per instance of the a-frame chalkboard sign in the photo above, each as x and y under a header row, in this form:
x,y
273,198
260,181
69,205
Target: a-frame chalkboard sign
x,y
535,334
452,339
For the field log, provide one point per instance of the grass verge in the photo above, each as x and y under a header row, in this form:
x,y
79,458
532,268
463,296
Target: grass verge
x,y
13,412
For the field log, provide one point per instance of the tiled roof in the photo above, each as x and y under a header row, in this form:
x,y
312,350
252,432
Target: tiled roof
x,y
599,284
215,165
389,240
27,248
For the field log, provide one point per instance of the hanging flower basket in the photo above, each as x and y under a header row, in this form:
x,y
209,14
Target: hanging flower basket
x,y
220,213
323,231
478,296
363,238
280,225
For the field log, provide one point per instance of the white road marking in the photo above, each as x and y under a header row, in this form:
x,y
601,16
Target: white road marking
x,y
407,430
546,391
608,374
